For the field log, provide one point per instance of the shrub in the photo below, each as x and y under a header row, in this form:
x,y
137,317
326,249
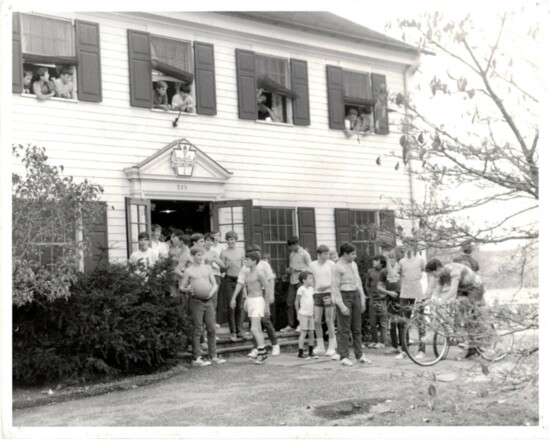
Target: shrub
x,y
114,322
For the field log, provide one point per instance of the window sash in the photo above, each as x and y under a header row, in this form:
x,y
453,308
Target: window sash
x,y
277,226
47,37
272,68
172,57
357,87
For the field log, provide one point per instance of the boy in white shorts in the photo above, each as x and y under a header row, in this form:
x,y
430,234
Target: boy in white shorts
x,y
254,302
304,306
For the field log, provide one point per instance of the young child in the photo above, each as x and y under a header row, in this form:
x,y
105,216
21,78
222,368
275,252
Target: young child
x,y
304,306
233,259
63,85
183,100
27,81
160,99
255,303
42,87
199,282
377,310
389,283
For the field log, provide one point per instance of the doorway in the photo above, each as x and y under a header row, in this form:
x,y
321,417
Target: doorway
x,y
188,216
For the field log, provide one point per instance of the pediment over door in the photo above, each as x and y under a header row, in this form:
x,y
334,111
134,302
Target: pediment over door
x,y
178,170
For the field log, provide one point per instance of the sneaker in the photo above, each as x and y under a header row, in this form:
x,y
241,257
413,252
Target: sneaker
x,y
218,360
419,355
400,356
233,337
379,346
330,352
240,335
261,359
298,329
276,350
364,360
287,329
336,357
253,353
305,356
372,345
247,336
319,350
200,362
391,351
314,357
346,362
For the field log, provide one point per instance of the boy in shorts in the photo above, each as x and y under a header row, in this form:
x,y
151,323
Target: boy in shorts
x,y
255,281
304,306
322,274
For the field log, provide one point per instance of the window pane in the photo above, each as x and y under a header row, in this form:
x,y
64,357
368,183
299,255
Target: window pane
x,y
223,230
135,232
134,213
47,36
356,85
224,215
273,68
172,52
238,215
239,229
142,217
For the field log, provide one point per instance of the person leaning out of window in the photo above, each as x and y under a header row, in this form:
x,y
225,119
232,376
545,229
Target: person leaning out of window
x,y
42,87
183,101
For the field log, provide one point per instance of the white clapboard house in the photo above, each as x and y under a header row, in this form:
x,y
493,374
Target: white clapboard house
x,y
226,165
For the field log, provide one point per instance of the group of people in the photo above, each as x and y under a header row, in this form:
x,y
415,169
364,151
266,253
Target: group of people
x,y
181,101
330,286
358,120
39,83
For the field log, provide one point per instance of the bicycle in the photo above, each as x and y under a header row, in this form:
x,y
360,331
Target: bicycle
x,y
436,330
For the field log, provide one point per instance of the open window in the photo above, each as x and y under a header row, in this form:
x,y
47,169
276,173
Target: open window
x,y
357,100
69,53
273,89
165,75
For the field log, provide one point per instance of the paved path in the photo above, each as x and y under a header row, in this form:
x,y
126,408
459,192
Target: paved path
x,y
284,391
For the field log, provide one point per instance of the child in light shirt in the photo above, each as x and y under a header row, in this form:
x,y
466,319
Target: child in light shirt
x,y
304,306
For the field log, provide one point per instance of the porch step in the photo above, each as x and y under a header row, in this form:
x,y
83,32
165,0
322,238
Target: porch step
x,y
243,345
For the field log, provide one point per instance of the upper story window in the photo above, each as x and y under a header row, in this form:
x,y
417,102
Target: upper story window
x,y
272,88
357,100
165,75
56,58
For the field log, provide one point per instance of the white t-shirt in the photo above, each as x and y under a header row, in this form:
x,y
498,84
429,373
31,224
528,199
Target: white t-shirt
x,y
411,275
306,300
322,275
162,248
144,259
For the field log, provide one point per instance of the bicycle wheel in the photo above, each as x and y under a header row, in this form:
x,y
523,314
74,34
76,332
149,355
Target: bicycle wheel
x,y
496,344
425,345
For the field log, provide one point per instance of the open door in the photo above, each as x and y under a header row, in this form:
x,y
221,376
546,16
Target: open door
x,y
138,219
234,216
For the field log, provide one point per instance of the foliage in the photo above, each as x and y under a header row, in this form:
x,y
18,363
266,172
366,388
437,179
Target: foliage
x,y
114,322
49,212
472,130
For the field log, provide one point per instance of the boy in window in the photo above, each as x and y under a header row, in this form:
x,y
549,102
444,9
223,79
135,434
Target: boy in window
x,y
27,81
183,101
264,112
352,122
160,99
42,87
63,85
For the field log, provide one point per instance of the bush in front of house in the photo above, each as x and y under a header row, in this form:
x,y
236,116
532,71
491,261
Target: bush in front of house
x,y
114,322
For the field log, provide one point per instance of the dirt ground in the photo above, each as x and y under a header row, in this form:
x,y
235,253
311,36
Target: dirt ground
x,y
287,391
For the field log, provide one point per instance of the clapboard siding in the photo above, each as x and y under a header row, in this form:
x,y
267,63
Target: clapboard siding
x,y
273,164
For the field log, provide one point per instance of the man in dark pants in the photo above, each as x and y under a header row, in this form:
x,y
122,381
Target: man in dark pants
x,y
233,260
350,300
299,261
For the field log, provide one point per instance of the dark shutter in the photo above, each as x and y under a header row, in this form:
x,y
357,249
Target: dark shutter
x,y
300,87
307,231
335,98
17,61
99,252
89,61
343,226
246,84
205,84
258,237
141,82
380,93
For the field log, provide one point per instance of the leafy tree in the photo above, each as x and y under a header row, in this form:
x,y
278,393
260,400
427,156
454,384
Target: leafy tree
x,y
50,212
474,144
